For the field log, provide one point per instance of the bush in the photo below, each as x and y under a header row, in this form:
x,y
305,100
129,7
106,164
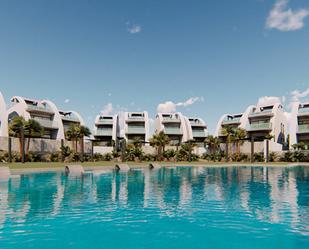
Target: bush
x,y
273,157
216,157
134,153
149,157
107,157
97,157
240,157
258,157
169,154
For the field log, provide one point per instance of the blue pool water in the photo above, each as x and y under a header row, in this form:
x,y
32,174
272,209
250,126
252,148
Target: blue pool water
x,y
238,207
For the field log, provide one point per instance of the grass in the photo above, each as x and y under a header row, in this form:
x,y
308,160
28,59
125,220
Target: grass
x,y
44,165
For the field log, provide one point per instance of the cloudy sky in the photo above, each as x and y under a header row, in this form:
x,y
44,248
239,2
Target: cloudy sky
x,y
201,57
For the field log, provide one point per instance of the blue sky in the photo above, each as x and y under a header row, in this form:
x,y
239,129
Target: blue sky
x,y
136,54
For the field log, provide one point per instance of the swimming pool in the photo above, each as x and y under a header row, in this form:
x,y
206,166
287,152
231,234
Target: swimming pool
x,y
184,207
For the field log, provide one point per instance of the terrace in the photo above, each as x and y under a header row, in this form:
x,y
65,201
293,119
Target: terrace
x,y
261,126
261,113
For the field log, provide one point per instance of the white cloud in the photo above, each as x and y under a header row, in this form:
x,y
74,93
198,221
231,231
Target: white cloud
x,y
67,101
269,100
284,19
170,106
297,95
107,109
133,29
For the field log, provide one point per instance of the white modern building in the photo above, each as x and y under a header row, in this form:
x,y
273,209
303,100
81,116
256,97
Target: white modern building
x,y
197,129
54,122
299,124
69,118
3,118
268,120
136,126
174,125
107,129
239,120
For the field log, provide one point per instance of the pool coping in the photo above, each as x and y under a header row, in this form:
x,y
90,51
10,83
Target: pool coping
x,y
19,171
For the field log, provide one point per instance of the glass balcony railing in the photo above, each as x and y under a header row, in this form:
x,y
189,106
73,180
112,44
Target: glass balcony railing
x,y
304,110
135,130
136,118
268,112
198,134
303,128
70,118
171,119
231,121
105,121
46,123
173,131
39,108
260,126
103,132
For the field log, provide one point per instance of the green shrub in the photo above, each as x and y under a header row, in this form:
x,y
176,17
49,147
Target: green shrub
x,y
258,157
169,154
107,157
149,157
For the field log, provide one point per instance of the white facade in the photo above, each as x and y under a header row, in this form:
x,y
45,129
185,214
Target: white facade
x,y
239,120
269,120
107,129
299,123
196,128
136,125
174,125
46,113
69,118
3,118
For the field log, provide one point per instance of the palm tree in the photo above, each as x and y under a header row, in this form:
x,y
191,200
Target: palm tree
x,y
239,135
32,128
82,131
213,143
228,132
188,147
159,141
72,134
17,129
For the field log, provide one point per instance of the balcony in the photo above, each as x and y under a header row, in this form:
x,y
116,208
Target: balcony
x,y
265,113
173,131
42,109
234,121
46,123
303,129
171,120
260,127
198,133
135,130
103,132
197,124
135,119
70,119
105,122
303,111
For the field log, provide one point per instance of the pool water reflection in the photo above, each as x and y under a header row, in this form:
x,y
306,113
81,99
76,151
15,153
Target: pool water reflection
x,y
185,207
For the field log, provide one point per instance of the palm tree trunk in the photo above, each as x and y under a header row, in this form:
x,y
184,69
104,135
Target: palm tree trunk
x,y
82,148
160,153
20,147
28,143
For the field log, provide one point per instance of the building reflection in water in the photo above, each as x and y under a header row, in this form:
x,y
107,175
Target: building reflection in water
x,y
273,195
